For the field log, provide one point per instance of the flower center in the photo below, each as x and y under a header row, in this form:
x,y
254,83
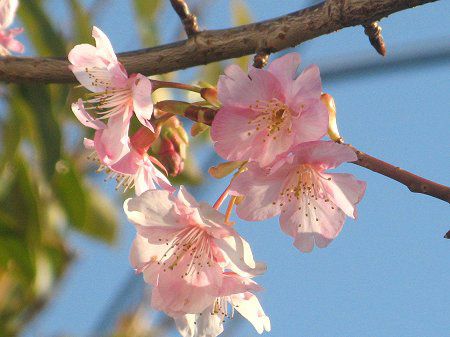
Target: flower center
x,y
125,181
191,250
305,187
110,102
273,116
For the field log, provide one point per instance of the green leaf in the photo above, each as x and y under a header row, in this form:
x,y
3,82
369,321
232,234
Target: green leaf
x,y
71,194
146,14
45,38
81,22
101,221
32,103
87,210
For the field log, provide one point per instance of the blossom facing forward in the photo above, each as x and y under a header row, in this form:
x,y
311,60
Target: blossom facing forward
x,y
8,42
114,94
312,203
265,112
183,248
236,293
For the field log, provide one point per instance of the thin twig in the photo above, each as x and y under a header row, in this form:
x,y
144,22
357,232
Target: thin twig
x,y
373,31
216,45
188,19
414,182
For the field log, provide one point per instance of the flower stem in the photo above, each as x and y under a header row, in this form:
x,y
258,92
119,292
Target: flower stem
x,y
222,197
164,84
229,210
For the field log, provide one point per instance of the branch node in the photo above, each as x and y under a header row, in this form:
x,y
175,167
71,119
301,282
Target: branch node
x,y
261,58
373,31
188,19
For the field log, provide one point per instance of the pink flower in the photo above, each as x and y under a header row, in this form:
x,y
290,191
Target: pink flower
x,y
312,203
124,159
136,170
115,95
182,248
266,112
8,42
209,323
111,142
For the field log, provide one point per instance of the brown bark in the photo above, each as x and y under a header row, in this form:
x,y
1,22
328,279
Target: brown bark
x,y
188,19
216,45
414,182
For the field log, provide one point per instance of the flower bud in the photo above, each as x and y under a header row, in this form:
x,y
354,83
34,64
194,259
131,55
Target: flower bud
x,y
171,147
223,169
333,131
210,95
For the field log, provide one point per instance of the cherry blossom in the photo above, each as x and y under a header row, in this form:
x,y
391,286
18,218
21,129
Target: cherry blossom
x,y
114,94
265,112
111,142
235,293
312,203
182,248
8,40
124,159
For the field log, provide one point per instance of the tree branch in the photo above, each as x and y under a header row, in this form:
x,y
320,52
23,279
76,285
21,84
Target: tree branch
x,y
216,45
414,183
187,18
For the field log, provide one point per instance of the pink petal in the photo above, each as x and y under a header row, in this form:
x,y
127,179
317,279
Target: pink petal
x,y
248,306
88,143
230,133
163,182
128,164
284,69
111,143
85,118
153,208
233,283
143,181
104,46
310,220
174,294
312,124
268,148
345,191
142,252
307,86
323,154
262,193
238,256
186,198
8,10
8,41
200,325
142,100
238,89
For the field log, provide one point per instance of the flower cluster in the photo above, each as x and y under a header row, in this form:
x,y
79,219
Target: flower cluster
x,y
278,121
200,269
8,40
268,124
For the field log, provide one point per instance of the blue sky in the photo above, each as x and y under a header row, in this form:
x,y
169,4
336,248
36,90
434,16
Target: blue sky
x,y
386,274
